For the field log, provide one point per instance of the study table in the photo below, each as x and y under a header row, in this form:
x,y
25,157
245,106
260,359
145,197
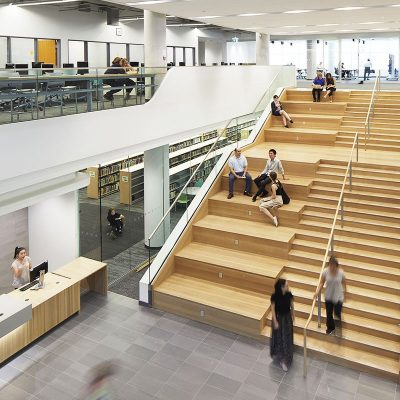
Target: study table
x,y
57,301
90,83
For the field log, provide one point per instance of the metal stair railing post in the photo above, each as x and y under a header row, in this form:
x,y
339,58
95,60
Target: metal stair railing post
x,y
371,109
329,249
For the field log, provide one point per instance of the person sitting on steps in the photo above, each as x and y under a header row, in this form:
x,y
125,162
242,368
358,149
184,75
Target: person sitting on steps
x,y
268,205
278,111
238,170
273,164
318,85
330,86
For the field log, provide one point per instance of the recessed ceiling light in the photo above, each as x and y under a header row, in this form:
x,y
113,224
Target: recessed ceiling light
x,y
131,19
293,26
280,33
297,11
180,25
328,25
311,31
344,30
207,17
348,8
378,29
371,23
395,5
251,14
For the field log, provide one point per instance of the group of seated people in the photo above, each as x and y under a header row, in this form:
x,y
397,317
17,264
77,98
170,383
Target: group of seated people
x,y
269,203
319,83
119,66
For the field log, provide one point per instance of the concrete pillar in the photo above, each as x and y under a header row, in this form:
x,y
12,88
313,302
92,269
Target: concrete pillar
x,y
262,49
156,194
155,45
311,59
202,52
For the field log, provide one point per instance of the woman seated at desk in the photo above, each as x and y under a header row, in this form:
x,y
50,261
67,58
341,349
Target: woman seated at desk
x,y
20,267
119,66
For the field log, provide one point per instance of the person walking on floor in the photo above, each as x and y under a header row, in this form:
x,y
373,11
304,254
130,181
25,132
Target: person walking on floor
x,y
282,309
273,164
238,170
278,111
268,205
333,277
367,69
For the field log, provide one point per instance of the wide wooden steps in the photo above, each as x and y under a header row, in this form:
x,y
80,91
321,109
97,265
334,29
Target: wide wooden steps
x,y
230,267
311,121
227,307
300,135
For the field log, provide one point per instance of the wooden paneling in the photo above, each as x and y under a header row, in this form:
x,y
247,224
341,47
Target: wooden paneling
x,y
47,51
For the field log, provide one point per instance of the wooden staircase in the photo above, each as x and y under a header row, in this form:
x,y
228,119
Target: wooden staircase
x,y
223,268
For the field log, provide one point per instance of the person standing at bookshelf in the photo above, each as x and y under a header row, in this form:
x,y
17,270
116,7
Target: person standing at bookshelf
x,y
20,267
238,170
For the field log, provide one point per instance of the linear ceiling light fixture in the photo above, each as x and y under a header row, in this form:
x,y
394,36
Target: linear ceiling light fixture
x,y
207,17
371,23
328,25
138,3
180,25
131,19
297,11
39,3
349,8
251,14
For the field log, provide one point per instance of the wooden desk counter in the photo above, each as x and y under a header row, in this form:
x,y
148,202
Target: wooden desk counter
x,y
57,301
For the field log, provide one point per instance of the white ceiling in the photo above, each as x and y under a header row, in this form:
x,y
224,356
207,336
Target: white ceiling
x,y
378,16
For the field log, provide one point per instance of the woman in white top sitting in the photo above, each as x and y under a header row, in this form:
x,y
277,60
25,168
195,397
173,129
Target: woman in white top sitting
x,y
335,291
20,267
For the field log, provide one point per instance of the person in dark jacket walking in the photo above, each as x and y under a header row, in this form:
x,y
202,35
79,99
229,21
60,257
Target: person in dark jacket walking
x,y
282,308
117,84
278,111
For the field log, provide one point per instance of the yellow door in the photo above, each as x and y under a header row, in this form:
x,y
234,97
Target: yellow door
x,y
47,51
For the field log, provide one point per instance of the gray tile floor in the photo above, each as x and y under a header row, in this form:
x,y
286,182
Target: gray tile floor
x,y
164,357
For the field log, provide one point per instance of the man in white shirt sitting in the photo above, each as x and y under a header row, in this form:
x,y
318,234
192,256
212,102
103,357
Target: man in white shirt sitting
x,y
238,170
273,164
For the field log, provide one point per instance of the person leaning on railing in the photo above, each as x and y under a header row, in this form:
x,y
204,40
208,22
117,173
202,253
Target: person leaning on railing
x,y
335,291
119,66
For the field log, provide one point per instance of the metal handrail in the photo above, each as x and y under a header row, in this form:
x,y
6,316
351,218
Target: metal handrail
x,y
330,244
371,108
223,131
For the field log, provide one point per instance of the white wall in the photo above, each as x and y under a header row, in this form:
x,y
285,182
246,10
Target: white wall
x,y
241,52
202,97
54,230
214,51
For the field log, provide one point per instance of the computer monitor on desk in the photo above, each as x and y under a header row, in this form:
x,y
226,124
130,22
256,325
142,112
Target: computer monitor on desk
x,y
22,68
47,68
34,273
81,65
134,63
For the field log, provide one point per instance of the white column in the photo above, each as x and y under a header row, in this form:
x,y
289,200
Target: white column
x,y
156,194
340,59
262,49
155,44
53,226
311,58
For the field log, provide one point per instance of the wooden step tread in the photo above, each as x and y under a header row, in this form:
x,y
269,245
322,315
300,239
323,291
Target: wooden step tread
x,y
350,229
294,205
341,247
378,184
294,129
359,219
357,210
356,290
305,102
256,229
350,276
384,365
352,319
352,304
239,260
347,262
371,145
394,179
234,300
354,192
366,339
313,116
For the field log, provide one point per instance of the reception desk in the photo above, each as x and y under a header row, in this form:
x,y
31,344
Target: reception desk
x,y
57,301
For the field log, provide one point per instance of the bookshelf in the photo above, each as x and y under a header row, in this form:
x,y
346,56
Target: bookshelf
x,y
107,178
